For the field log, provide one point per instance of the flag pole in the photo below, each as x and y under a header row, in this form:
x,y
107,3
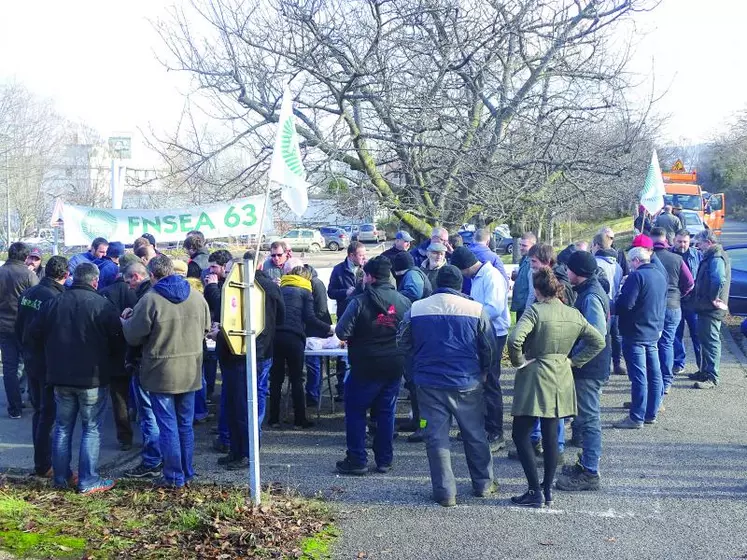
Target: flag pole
x,y
262,219
252,394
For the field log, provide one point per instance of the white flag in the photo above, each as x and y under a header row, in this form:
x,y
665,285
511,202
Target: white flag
x,y
652,195
286,168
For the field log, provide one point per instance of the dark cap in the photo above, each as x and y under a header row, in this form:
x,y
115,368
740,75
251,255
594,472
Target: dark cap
x,y
404,236
402,261
378,267
582,263
116,249
149,237
449,276
36,253
463,258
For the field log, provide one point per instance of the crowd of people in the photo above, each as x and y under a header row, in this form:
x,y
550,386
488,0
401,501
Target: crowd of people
x,y
144,329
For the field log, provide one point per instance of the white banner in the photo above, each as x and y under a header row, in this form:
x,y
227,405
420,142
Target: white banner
x,y
223,219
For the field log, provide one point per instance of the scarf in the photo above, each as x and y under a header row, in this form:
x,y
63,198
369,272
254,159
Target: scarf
x,y
295,281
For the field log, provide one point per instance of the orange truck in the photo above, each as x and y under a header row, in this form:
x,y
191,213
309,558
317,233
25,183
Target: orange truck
x,y
682,188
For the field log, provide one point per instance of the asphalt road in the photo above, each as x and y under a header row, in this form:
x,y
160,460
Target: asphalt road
x,y
734,232
674,490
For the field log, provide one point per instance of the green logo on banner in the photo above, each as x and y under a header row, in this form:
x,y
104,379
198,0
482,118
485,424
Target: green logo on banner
x,y
98,223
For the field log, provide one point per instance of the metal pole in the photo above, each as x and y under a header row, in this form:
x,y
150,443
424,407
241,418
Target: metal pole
x,y
113,184
251,385
262,221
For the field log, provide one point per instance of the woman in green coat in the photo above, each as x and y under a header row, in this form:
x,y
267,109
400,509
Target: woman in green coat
x,y
539,346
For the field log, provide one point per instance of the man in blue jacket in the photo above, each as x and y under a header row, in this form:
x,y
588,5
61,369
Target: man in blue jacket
x,y
451,348
109,264
522,275
479,247
691,257
640,307
594,304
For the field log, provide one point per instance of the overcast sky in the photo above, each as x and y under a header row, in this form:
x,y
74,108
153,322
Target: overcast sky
x,y
96,60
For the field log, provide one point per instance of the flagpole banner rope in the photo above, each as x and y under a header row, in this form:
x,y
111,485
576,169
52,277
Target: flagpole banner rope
x,y
223,219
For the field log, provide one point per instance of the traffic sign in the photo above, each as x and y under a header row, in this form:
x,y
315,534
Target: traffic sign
x,y
232,310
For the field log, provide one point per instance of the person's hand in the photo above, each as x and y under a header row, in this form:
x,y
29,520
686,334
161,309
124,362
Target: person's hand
x,y
718,303
514,274
126,313
350,290
449,248
211,279
213,333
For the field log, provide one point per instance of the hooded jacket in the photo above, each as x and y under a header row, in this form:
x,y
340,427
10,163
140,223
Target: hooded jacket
x,y
561,273
679,279
414,284
691,258
321,307
594,304
15,278
81,334
521,286
341,279
641,305
713,282
670,223
370,325
29,305
299,308
491,289
108,271
170,322
122,296
607,261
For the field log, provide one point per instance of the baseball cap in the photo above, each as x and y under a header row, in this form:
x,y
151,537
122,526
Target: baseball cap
x,y
437,248
149,237
404,236
36,253
644,241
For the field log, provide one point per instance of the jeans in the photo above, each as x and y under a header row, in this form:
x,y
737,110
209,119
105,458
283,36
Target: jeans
x,y
616,340
43,401
148,426
119,387
91,404
201,408
536,434
175,415
238,411
438,406
10,348
709,332
343,368
665,345
494,396
680,356
313,378
644,372
588,422
381,396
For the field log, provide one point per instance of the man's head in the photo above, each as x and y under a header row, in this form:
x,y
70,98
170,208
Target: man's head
x,y
135,274
668,209
279,253
609,233
482,237
160,267
150,238
18,252
581,266
357,253
455,240
440,235
57,269
218,261
402,240
144,250
197,233
180,267
115,251
87,274
676,209
658,235
705,240
33,261
402,263
450,277
638,256
682,241
601,242
377,270
98,248
126,260
193,244
290,264
437,254
541,255
527,241
581,245
466,261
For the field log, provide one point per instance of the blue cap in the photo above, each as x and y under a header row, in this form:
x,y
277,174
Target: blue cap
x,y
116,249
404,236
149,237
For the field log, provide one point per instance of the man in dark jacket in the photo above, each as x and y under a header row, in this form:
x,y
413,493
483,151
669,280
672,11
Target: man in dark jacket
x,y
480,248
97,250
194,244
81,333
679,284
370,324
670,223
640,307
711,304
412,281
314,363
438,235
42,394
123,297
450,348
594,304
402,242
15,278
691,257
522,276
343,281
109,264
170,322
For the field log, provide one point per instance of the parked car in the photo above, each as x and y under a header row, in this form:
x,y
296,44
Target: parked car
x,y
352,231
369,232
503,245
738,289
299,239
692,222
335,238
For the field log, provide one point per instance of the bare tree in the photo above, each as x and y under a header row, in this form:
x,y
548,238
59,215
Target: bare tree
x,y
444,109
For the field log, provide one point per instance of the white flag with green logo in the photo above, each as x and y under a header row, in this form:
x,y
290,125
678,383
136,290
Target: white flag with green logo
x,y
652,195
286,168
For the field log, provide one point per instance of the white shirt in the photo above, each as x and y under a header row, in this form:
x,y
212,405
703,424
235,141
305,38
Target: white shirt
x,y
490,288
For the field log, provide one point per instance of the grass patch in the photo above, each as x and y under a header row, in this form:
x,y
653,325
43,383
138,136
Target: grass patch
x,y
136,521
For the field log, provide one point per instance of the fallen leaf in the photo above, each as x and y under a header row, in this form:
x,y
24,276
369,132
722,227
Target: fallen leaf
x,y
362,555
547,543
64,548
611,539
